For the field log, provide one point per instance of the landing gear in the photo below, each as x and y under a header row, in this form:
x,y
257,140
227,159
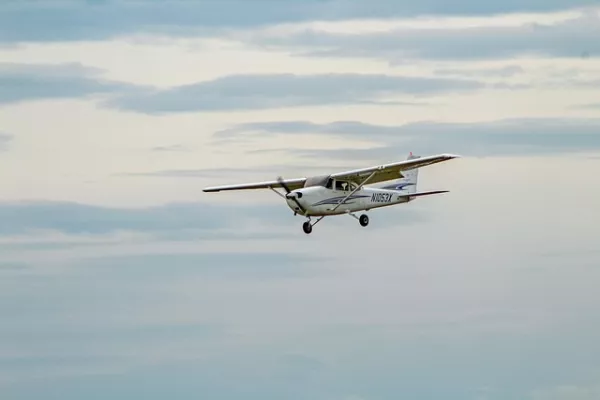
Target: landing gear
x,y
307,227
364,220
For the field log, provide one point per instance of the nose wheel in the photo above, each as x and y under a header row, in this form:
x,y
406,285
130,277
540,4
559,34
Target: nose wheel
x,y
307,227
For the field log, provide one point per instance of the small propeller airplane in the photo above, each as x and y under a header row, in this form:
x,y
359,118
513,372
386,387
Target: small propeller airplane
x,y
346,193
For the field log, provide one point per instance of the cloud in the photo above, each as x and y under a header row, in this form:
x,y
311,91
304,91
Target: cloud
x,y
31,229
504,72
66,21
340,128
24,82
569,38
72,218
511,136
263,91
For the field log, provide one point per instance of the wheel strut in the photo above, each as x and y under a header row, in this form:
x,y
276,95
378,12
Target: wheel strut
x,y
307,226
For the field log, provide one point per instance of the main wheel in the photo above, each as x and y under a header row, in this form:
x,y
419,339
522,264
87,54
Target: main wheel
x,y
307,227
364,220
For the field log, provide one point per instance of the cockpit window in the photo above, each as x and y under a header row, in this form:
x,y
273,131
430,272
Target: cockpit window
x,y
328,182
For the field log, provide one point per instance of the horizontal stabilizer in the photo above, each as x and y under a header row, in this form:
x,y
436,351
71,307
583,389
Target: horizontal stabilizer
x,y
419,194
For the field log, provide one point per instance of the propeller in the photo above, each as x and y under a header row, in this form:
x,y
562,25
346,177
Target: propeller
x,y
288,191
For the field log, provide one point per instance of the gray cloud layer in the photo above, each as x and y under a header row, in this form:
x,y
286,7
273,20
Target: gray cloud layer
x,y
253,92
513,136
577,37
503,72
59,21
24,82
74,218
172,222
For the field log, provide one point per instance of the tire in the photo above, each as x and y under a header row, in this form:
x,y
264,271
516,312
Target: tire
x,y
307,227
364,220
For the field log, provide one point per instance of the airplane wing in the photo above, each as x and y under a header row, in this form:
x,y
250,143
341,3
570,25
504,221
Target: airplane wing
x,y
383,173
291,183
391,171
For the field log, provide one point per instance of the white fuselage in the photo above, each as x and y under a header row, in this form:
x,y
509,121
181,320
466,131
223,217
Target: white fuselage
x,y
320,201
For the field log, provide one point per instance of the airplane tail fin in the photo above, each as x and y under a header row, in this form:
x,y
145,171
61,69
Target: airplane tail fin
x,y
411,177
408,183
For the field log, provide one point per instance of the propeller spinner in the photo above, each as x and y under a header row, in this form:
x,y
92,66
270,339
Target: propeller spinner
x,y
288,191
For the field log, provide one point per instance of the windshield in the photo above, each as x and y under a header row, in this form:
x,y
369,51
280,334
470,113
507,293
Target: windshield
x,y
316,181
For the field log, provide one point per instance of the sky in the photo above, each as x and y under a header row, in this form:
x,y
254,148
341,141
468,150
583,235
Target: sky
x,y
120,278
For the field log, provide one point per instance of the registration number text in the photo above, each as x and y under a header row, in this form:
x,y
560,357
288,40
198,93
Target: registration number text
x,y
381,197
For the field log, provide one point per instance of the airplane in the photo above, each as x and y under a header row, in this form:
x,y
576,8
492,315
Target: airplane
x,y
345,192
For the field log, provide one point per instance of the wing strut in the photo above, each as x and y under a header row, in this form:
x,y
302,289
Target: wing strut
x,y
355,190
282,196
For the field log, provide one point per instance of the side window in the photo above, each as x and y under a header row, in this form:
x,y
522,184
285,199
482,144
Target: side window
x,y
340,185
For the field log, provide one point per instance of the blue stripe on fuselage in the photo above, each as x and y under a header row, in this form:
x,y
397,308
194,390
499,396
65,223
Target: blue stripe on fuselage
x,y
336,200
398,186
